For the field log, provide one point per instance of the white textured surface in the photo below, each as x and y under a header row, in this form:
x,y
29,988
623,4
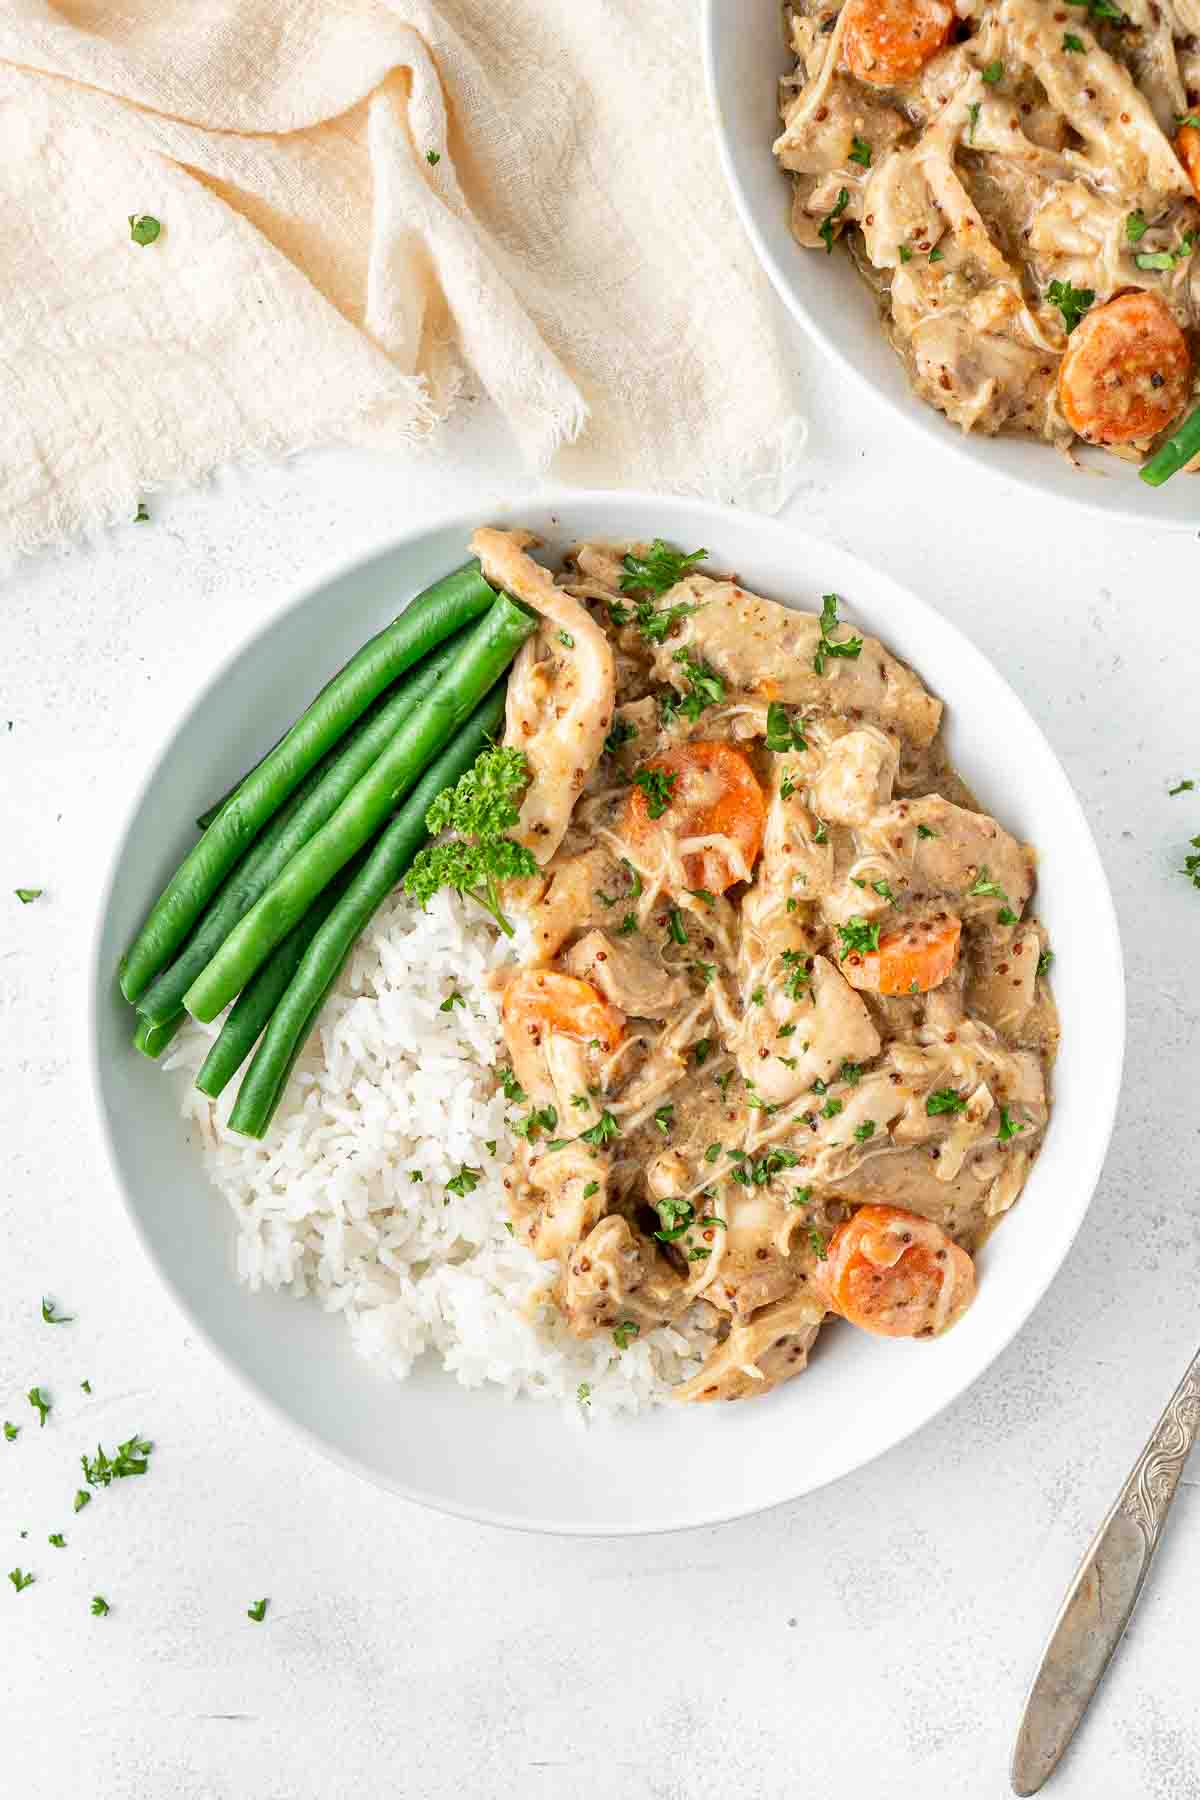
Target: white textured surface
x,y
875,1639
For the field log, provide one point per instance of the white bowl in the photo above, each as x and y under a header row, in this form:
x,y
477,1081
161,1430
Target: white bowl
x,y
744,56
525,1464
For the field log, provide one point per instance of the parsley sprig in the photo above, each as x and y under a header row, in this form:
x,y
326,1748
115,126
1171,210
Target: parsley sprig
x,y
1072,302
703,687
849,648
659,569
479,809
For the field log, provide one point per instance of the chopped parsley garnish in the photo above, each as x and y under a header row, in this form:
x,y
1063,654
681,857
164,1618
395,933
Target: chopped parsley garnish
x,y
818,1243
1135,227
129,1458
703,687
28,895
664,1118
1188,118
820,832
99,1606
698,1253
993,73
860,152
865,1130
141,516
583,1393
1006,916
625,1332
620,734
722,1081
82,1499
758,995
57,1539
712,1153
593,1187
784,732
557,1144
1191,864
433,158
1044,962
11,1432
859,937
760,1172
883,889
800,1196
38,1400
706,971
20,1579
937,255
512,1088
701,1050
258,1611
786,1031
787,788
1071,302
602,1132
1007,1128
973,107
676,929
143,228
944,1100
984,888
825,229
849,648
628,925
850,1073
659,569
579,1100
465,1182
479,809
1184,787
51,1316
1100,9
1071,42
831,1108
538,1118
923,831
797,975
905,253
566,640
677,1216
657,785
451,1001
86,1386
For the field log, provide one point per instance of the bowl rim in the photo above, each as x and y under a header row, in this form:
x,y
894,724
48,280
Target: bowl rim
x,y
560,501
918,417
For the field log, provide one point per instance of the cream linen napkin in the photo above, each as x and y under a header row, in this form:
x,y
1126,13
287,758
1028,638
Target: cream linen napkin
x,y
365,204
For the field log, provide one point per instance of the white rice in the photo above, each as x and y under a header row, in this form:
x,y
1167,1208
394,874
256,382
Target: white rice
x,y
346,1198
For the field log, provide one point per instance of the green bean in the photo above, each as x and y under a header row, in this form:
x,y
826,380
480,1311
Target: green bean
x,y
265,1080
485,655
431,618
315,800
1170,457
152,1040
209,814
259,998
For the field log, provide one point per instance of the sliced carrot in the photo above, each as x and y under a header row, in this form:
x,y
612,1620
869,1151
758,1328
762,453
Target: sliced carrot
x,y
913,960
539,1000
888,42
1187,146
893,1273
709,790
1127,371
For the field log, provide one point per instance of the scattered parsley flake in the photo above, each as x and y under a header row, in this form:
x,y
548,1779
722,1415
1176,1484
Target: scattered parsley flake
x,y
628,925
993,73
1184,787
433,158
883,889
621,733
825,229
129,1458
593,1187
831,1108
664,1118
859,936
58,1540
602,1132
100,1606
783,732
1191,864
82,1499
944,1100
583,1393
20,1579
701,1050
465,1182
27,896
86,1386
258,1611
818,1243
512,1088
1044,962
1071,42
658,786
923,831
973,107
905,253
1071,302
1007,1128
451,1001
143,228
659,570
38,1400
566,640
983,887
1135,227
11,1432
827,648
860,152
625,1332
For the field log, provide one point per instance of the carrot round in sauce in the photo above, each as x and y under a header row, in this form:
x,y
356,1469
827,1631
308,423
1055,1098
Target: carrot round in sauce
x,y
888,42
709,790
914,960
895,1274
538,1000
1187,146
1127,371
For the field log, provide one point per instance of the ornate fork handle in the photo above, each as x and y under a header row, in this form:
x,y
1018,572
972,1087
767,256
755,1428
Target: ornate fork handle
x,y
1147,1495
1105,1591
